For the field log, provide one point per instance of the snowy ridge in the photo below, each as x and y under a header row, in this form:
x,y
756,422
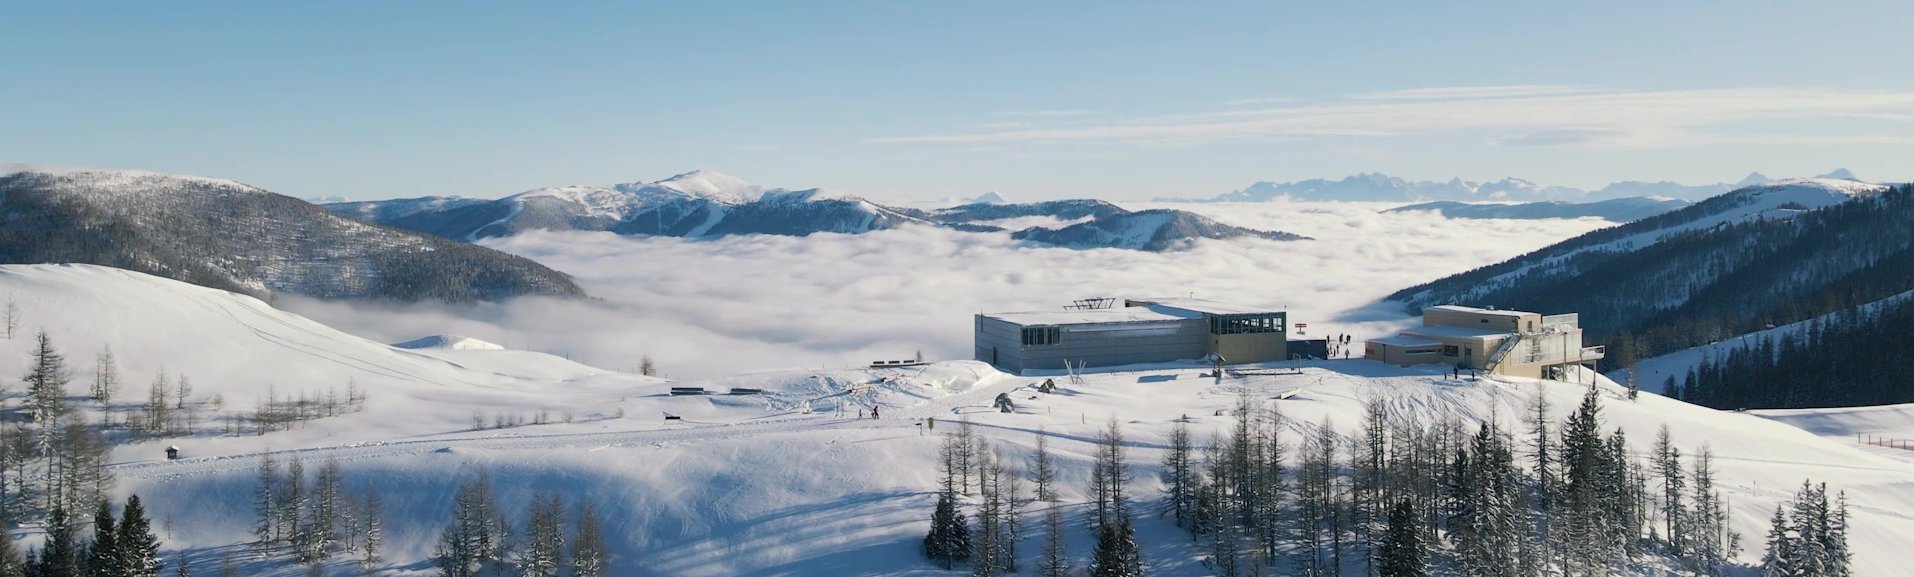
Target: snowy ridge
x,y
453,342
1376,186
1776,200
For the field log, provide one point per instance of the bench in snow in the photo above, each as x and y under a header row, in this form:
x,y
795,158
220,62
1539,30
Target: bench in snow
x,y
890,364
744,391
687,391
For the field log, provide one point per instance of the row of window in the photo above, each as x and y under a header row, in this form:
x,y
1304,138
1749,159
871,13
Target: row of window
x,y
1042,336
1246,324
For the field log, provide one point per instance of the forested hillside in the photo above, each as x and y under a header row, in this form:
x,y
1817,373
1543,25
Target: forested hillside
x,y
1842,360
1729,265
230,236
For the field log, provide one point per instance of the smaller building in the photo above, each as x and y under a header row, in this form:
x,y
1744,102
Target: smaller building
x,y
1514,343
1098,333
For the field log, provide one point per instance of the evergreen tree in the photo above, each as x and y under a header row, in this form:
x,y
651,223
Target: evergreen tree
x,y
1777,559
1116,554
59,556
588,557
11,563
1587,502
180,566
103,557
949,538
139,549
46,383
1402,552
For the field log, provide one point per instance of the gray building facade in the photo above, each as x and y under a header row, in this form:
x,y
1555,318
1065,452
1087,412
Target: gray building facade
x,y
1141,331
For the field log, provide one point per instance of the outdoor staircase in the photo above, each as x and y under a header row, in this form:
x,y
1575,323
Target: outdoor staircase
x,y
1502,352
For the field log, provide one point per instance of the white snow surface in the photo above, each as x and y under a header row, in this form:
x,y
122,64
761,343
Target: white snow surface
x,y
758,484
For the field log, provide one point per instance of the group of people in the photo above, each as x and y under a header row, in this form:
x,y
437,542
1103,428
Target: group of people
x,y
1339,345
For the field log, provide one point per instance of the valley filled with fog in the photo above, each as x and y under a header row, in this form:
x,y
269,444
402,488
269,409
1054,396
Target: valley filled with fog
x,y
703,307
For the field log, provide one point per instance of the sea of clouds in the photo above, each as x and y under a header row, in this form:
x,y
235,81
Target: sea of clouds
x,y
744,303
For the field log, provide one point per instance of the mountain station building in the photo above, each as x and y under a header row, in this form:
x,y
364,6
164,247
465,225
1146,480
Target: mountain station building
x,y
1097,333
1513,343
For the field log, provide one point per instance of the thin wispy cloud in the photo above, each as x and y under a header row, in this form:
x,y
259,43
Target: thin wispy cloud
x,y
1524,115
1464,92
1260,101
1043,113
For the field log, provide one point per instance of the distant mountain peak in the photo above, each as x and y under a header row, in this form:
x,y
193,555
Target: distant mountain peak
x,y
711,184
988,198
1752,179
1840,174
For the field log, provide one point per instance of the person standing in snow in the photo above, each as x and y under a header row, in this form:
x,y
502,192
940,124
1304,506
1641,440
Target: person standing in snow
x,y
873,412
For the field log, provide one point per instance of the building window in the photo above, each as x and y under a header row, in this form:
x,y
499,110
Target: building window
x,y
1038,336
1428,351
1245,324
1451,350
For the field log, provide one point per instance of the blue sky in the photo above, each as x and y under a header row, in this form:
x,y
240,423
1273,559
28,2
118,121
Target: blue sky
x,y
921,99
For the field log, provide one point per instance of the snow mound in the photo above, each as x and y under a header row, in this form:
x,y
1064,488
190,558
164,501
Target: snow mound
x,y
453,342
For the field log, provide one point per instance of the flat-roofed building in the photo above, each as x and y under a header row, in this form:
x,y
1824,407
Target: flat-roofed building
x,y
1514,343
1139,331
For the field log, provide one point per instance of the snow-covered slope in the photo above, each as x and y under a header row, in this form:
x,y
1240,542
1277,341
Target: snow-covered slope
x,y
240,348
1778,200
786,482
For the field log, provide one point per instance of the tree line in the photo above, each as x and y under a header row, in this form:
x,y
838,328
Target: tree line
x,y
1396,499
1841,360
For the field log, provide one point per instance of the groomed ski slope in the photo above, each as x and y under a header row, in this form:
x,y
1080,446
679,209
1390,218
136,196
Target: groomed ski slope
x,y
786,483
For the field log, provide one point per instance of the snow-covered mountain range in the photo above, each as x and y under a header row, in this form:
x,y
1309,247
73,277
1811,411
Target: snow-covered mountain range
x,y
705,204
224,234
1379,187
1616,210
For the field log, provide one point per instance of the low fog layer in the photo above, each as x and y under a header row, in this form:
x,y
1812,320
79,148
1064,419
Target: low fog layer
x,y
708,307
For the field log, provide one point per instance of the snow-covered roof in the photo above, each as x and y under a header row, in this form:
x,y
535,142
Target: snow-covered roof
x,y
1473,310
1405,341
1092,316
1455,332
1204,306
